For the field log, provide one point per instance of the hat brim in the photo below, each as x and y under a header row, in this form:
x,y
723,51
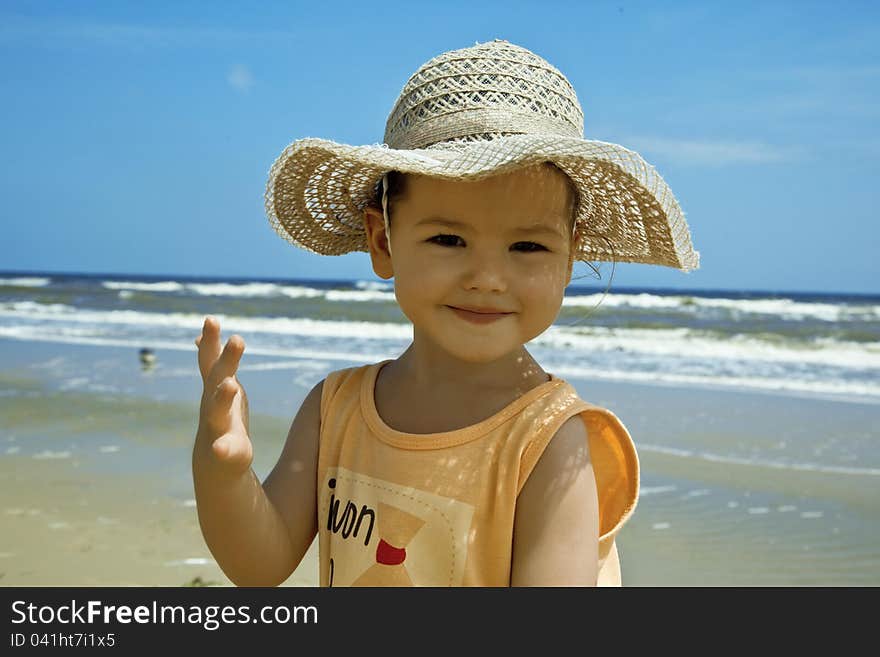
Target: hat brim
x,y
317,191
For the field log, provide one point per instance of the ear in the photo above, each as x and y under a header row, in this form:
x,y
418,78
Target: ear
x,y
374,225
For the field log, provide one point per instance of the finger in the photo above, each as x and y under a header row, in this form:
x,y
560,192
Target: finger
x,y
209,346
219,410
227,363
225,392
233,446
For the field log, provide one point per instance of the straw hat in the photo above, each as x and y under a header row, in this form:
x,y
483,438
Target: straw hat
x,y
471,113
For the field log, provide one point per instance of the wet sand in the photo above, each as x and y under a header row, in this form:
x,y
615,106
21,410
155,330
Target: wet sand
x,y
73,529
64,524
96,490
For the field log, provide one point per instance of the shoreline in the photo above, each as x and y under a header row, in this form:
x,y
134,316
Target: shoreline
x,y
185,356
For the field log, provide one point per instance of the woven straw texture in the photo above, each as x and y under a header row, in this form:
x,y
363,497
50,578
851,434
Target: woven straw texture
x,y
472,113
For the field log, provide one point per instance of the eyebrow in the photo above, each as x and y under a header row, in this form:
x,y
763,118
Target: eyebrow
x,y
534,229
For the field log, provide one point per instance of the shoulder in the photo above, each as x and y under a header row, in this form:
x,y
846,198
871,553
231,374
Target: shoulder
x,y
554,428
556,526
567,451
312,401
306,423
348,379
570,438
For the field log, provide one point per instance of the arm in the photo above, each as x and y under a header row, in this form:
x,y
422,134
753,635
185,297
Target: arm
x,y
257,533
556,527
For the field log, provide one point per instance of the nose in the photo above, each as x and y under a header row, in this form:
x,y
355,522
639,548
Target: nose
x,y
486,272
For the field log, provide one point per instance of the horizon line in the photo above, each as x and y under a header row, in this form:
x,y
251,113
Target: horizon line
x,y
265,279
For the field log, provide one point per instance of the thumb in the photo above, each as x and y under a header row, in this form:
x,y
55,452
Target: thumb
x,y
234,450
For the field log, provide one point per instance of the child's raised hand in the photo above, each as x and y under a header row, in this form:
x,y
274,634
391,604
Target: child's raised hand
x,y
223,416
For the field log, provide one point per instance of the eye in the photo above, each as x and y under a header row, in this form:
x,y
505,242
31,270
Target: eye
x,y
446,240
528,247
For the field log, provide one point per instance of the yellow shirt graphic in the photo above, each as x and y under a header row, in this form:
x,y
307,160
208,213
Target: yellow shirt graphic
x,y
382,534
399,509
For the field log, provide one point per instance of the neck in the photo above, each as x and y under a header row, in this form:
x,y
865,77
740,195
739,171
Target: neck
x,y
424,366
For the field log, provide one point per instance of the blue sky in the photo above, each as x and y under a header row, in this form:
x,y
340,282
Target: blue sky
x,y
137,137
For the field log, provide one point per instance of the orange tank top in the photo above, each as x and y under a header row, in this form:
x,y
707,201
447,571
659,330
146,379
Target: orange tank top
x,y
401,509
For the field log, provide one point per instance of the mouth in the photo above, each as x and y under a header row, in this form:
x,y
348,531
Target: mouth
x,y
479,315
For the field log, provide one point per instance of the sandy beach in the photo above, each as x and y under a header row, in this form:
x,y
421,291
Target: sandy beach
x,y
96,489
74,530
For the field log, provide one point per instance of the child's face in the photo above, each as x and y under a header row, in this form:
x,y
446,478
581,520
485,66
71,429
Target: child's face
x,y
501,243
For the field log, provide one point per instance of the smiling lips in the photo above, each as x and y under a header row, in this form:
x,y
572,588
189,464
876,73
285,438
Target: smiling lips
x,y
479,315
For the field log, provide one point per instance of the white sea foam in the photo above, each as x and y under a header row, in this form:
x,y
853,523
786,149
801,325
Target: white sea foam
x,y
783,308
655,490
841,390
760,463
366,292
680,356
289,291
837,390
234,289
359,295
41,335
656,342
48,454
383,286
163,286
244,325
24,281
791,309
697,345
298,364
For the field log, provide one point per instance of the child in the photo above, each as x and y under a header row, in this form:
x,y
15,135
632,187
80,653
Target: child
x,y
461,462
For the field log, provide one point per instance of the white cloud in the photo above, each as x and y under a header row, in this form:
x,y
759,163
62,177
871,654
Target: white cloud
x,y
713,153
240,78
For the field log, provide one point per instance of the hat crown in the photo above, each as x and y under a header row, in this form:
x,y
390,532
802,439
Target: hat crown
x,y
480,93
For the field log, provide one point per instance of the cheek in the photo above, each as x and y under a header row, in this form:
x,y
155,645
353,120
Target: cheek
x,y
543,291
414,282
547,280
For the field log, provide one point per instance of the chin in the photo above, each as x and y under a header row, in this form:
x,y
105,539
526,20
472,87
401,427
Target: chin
x,y
481,356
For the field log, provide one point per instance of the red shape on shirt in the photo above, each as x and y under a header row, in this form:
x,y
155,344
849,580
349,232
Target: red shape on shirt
x,y
389,555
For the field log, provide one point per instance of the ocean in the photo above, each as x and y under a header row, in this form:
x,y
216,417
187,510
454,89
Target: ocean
x,y
796,343
756,416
